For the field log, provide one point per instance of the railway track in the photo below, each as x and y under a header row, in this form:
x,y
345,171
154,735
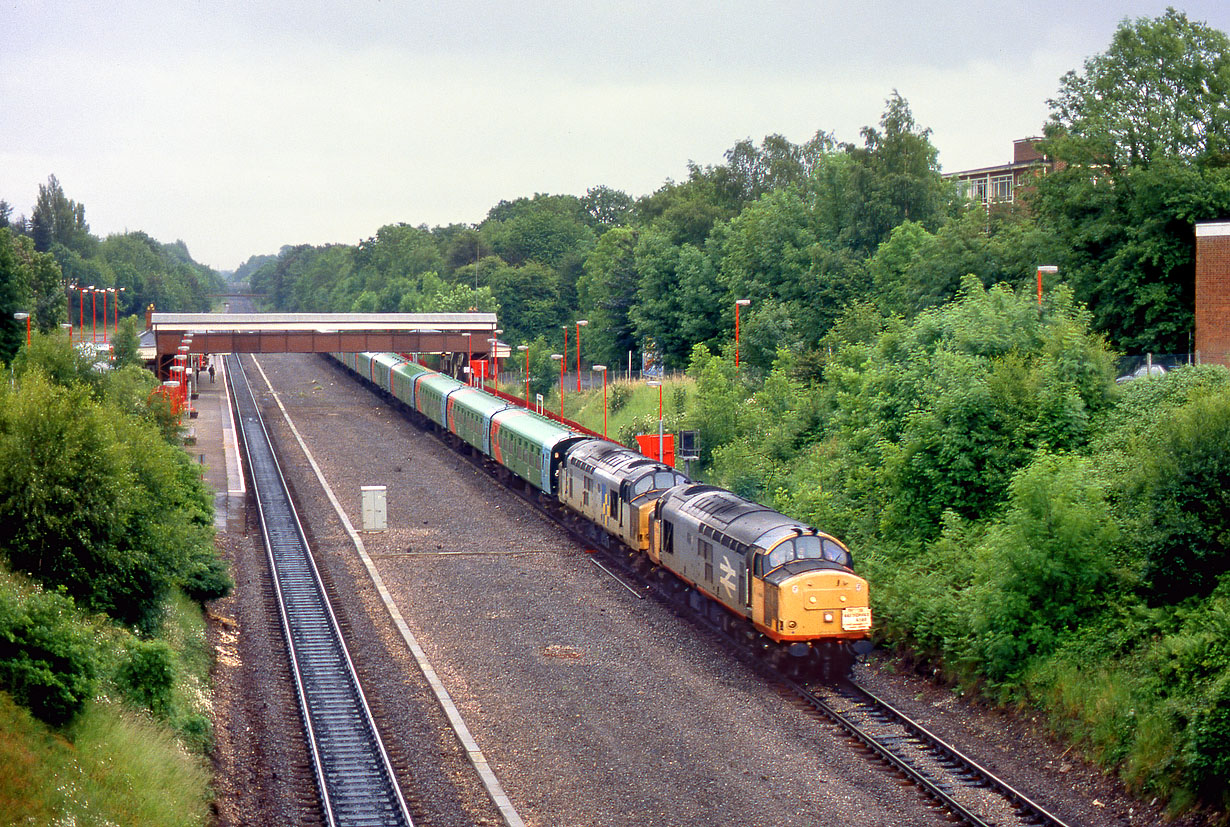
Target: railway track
x,y
951,779
354,777
968,792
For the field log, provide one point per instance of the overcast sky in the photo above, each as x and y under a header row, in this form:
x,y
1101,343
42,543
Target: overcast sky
x,y
239,127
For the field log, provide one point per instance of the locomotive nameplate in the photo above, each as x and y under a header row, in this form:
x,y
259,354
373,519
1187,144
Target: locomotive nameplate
x,y
856,619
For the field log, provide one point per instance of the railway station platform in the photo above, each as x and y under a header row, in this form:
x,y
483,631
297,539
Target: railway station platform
x,y
212,442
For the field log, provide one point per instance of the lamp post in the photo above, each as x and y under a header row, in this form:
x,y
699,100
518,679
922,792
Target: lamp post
x,y
738,303
653,383
469,351
559,357
526,350
19,315
564,355
81,309
94,314
602,369
1044,268
118,290
580,324
105,292
495,357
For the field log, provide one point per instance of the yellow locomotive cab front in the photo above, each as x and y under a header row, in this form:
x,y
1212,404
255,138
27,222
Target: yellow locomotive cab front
x,y
806,591
825,603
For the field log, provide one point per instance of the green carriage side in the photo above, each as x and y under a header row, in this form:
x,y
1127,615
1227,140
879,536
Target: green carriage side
x,y
469,416
531,446
404,377
431,392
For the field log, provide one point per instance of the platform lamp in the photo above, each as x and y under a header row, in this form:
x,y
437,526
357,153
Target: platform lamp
x,y
118,290
580,324
602,369
81,310
1044,268
559,357
654,383
526,349
495,356
19,316
738,303
105,291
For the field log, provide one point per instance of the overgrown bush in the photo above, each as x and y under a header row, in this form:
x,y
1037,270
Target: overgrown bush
x,y
47,658
620,393
1184,488
1041,569
147,676
96,502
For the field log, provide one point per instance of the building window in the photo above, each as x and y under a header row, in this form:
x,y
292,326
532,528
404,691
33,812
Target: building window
x,y
976,190
1001,188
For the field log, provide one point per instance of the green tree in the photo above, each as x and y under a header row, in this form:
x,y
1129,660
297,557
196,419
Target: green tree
x,y
46,299
12,290
58,220
894,177
1162,89
606,292
678,302
1129,248
607,207
126,343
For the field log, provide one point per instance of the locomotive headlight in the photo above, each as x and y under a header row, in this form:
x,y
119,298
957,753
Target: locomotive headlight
x,y
811,599
828,617
792,624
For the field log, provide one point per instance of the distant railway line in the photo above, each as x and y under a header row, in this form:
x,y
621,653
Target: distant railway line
x,y
354,776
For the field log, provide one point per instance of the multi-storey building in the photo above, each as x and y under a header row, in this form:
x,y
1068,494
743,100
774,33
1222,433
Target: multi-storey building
x,y
1001,184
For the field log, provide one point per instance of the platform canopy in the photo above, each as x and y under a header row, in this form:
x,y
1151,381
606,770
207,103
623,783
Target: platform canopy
x,y
324,332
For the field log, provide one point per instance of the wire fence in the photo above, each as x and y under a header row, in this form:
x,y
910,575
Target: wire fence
x,y
591,379
1136,365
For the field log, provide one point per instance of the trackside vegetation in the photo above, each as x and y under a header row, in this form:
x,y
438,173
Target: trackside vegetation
x,y
1035,533
106,555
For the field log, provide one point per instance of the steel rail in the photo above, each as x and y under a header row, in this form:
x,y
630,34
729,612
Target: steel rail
x,y
1030,809
964,770
354,775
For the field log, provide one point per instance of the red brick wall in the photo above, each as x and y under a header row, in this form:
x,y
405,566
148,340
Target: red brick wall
x,y
1025,150
1213,291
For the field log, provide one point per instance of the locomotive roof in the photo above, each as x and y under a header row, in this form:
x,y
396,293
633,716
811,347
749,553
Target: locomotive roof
x,y
600,452
727,512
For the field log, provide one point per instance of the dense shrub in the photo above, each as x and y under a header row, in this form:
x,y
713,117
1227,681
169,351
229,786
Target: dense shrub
x,y
47,658
1041,569
1185,490
147,676
97,502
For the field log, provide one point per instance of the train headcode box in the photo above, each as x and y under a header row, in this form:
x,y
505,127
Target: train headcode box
x,y
375,509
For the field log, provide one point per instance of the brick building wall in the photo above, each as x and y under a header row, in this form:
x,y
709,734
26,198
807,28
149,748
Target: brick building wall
x,y
1213,292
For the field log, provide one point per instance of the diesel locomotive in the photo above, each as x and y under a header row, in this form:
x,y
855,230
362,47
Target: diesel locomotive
x,y
762,575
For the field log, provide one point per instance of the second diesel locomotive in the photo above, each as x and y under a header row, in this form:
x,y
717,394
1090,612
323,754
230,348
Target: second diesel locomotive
x,y
766,577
